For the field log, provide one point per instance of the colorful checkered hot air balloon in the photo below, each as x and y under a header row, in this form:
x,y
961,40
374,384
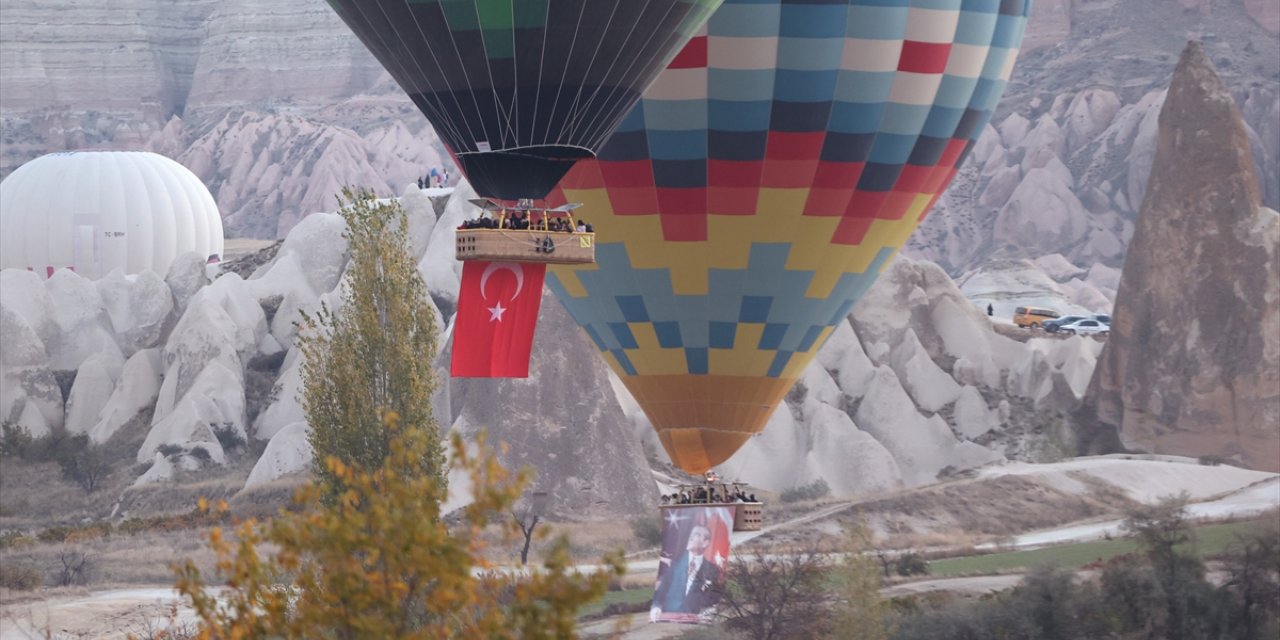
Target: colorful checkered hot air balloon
x,y
521,89
760,186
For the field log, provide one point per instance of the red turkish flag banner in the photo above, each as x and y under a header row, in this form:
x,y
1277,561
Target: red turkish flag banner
x,y
497,312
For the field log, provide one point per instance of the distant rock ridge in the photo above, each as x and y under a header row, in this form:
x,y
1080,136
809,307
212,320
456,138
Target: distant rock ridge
x,y
1193,364
916,384
275,105
1063,166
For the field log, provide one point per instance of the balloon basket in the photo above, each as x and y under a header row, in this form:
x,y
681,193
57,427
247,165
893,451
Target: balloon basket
x,y
512,245
748,516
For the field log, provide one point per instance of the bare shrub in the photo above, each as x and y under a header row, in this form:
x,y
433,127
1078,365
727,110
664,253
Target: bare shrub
x,y
781,595
19,577
229,437
76,568
169,450
15,540
15,440
167,628
56,533
911,563
87,532
813,491
647,531
83,462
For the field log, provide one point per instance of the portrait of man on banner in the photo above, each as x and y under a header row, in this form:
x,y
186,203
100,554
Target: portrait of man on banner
x,y
692,567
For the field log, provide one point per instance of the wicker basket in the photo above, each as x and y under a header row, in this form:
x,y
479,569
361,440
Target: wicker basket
x,y
748,516
511,245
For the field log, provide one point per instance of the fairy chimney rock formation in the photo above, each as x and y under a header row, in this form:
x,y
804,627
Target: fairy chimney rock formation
x,y
1192,366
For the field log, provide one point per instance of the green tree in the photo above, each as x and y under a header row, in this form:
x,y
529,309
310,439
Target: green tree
x,y
1253,577
379,562
1159,528
1131,594
372,356
911,563
859,611
83,462
1191,608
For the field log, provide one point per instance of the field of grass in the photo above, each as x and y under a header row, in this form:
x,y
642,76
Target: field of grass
x,y
625,596
1210,540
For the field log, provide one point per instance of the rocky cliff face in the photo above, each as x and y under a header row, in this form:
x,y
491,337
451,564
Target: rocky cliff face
x,y
274,104
1064,165
915,385
1052,20
1193,363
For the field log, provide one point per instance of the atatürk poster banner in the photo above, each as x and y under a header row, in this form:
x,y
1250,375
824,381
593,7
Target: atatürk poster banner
x,y
693,564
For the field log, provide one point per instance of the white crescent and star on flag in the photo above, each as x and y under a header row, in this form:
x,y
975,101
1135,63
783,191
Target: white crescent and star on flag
x,y
496,311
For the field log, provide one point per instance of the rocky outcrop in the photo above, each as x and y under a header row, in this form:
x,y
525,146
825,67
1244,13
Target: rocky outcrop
x,y
1064,166
1193,363
276,106
269,170
288,452
1051,20
916,383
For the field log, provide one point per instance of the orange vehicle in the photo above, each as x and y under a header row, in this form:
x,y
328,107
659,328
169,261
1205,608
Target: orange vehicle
x,y
1032,317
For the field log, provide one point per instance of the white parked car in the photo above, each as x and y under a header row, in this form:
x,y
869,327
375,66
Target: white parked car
x,y
1086,327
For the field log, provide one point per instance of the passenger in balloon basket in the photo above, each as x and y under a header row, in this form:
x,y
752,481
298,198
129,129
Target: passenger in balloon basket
x,y
691,569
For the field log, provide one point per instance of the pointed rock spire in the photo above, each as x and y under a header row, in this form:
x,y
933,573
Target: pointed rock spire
x,y
1192,366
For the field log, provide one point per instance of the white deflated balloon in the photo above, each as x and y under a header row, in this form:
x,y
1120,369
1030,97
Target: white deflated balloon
x,y
96,211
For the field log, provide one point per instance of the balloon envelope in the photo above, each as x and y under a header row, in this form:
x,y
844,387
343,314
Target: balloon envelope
x,y
97,211
761,184
521,89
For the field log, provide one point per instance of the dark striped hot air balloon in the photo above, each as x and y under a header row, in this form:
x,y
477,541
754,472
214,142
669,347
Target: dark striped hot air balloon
x,y
759,187
521,89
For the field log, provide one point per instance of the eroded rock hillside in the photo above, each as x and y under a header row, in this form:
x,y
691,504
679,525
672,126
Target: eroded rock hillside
x,y
914,385
1064,165
275,105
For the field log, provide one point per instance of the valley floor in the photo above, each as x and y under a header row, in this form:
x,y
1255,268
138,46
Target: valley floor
x,y
1217,492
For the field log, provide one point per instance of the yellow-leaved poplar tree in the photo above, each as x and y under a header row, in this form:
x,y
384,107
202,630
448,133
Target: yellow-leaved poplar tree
x,y
859,610
367,553
373,355
379,562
